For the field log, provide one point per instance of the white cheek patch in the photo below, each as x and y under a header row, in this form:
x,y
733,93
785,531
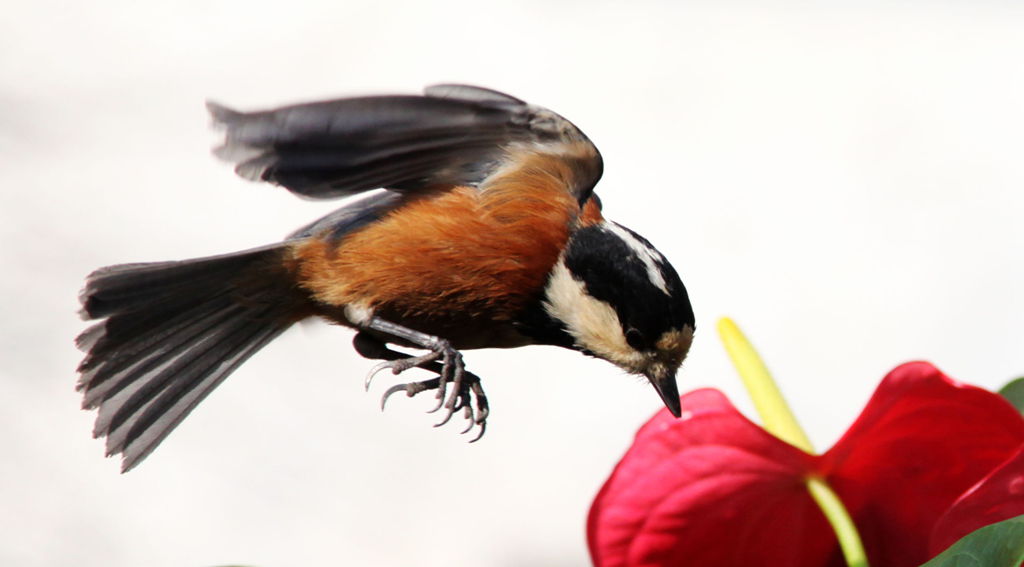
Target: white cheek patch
x,y
593,324
649,256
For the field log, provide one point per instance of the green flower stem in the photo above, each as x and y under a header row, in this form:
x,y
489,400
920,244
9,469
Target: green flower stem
x,y
771,406
842,523
779,421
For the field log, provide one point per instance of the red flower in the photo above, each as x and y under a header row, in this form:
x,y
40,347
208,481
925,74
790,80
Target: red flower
x,y
713,489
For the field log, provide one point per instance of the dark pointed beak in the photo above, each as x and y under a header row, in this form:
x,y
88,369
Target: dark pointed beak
x,y
669,392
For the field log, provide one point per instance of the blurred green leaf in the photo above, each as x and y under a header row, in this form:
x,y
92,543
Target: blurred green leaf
x,y
997,545
1014,391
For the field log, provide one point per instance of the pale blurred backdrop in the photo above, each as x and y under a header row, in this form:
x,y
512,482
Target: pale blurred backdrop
x,y
843,180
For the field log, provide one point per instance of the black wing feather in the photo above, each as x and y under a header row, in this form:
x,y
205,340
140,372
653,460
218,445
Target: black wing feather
x,y
455,134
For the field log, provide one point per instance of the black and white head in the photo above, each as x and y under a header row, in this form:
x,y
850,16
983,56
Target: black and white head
x,y
620,300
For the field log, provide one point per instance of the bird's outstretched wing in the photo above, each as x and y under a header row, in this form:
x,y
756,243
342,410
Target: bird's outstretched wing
x,y
452,135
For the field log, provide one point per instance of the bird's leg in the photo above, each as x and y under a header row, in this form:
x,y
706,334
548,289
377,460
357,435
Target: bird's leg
x,y
452,368
466,385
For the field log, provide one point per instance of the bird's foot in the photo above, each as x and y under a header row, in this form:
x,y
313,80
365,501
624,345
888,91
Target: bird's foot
x,y
451,368
467,395
451,372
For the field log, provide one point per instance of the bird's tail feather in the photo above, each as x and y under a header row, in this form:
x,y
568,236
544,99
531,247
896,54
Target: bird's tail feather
x,y
171,332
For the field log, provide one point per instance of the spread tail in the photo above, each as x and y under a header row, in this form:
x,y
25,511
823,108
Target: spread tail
x,y
170,333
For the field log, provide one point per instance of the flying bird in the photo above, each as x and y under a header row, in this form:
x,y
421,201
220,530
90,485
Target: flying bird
x,y
487,234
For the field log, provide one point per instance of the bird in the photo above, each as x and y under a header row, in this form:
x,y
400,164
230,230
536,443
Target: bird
x,y
471,223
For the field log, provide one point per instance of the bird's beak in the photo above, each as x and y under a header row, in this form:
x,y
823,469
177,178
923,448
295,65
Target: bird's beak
x,y
667,389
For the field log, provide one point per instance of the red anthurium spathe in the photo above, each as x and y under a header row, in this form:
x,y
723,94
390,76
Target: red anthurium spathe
x,y
998,496
921,442
711,488
714,489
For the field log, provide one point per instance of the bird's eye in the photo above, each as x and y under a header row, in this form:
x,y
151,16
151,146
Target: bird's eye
x,y
635,338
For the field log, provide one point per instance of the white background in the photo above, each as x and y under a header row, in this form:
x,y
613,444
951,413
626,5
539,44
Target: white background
x,y
846,182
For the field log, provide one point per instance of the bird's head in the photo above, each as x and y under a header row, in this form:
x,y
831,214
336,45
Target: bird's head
x,y
620,300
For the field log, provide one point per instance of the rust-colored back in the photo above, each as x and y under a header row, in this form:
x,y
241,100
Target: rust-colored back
x,y
487,251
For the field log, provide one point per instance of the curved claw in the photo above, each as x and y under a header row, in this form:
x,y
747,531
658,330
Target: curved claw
x,y
468,414
374,371
410,389
446,418
401,365
440,404
483,429
391,391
